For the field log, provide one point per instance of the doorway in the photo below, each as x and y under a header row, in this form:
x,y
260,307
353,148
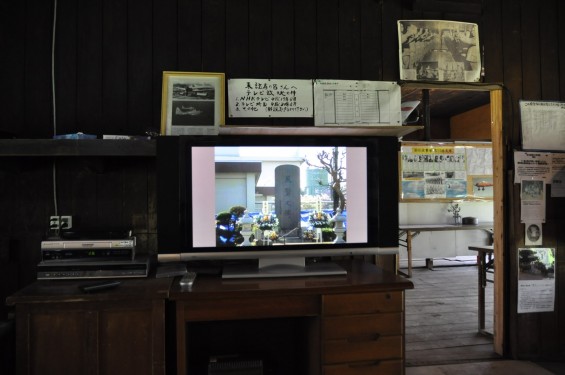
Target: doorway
x,y
494,94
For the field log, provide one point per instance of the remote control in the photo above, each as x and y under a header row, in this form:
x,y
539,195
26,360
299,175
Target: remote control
x,y
188,279
89,288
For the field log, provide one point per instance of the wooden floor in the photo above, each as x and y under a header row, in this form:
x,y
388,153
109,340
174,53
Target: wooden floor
x,y
442,316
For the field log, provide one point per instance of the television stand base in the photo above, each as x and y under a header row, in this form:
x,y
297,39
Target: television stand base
x,y
282,268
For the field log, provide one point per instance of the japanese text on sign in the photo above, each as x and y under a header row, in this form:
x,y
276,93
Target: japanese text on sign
x,y
270,98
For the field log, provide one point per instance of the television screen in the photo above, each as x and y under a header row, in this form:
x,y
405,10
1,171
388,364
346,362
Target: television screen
x,y
289,194
275,198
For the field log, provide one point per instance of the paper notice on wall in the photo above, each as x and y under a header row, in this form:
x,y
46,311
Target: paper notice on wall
x,y
479,160
557,175
532,201
250,97
532,165
543,125
360,103
536,280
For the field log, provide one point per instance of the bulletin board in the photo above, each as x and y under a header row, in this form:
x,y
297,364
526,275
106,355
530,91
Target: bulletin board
x,y
445,171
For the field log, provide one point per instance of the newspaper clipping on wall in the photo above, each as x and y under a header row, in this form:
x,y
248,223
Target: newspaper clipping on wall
x,y
536,280
439,51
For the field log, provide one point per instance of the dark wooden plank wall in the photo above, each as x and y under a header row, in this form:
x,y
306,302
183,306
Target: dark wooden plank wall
x,y
531,71
109,57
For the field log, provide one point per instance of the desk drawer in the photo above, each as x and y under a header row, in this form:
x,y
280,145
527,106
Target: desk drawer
x,y
366,368
362,303
339,327
247,308
362,349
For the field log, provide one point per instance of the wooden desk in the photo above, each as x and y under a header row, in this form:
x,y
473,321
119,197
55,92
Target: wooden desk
x,y
485,261
413,230
330,325
60,330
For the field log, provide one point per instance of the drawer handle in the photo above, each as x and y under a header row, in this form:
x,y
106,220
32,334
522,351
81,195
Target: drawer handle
x,y
371,337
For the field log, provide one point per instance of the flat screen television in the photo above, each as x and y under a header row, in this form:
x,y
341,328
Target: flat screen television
x,y
280,201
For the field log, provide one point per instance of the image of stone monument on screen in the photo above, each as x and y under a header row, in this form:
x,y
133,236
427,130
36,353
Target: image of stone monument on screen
x,y
287,197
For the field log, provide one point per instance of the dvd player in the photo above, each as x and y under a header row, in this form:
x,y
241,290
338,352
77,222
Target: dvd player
x,y
94,253
88,244
93,269
65,250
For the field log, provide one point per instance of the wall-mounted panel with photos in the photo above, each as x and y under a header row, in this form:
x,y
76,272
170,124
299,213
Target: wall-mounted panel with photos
x,y
445,171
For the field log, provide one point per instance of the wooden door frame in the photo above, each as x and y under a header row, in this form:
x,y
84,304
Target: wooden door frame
x,y
499,176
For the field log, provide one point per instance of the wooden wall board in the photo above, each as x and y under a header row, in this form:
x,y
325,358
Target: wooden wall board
x,y
306,40
237,38
189,34
115,74
371,41
141,111
12,29
349,40
89,67
549,54
327,34
36,78
474,124
66,69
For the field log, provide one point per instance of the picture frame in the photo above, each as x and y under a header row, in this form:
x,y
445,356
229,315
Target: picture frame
x,y
192,103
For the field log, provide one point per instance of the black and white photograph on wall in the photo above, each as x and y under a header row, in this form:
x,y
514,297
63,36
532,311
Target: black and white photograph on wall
x,y
532,201
536,279
192,103
439,51
533,234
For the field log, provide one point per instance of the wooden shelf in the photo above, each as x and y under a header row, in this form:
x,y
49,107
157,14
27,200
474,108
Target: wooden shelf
x,y
374,131
147,148
480,86
77,147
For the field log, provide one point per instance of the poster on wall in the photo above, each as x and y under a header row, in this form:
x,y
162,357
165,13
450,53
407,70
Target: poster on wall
x,y
543,125
356,103
252,97
532,201
534,165
439,51
434,171
536,280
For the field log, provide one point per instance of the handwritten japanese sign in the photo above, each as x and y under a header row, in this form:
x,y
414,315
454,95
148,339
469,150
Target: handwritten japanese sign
x,y
250,97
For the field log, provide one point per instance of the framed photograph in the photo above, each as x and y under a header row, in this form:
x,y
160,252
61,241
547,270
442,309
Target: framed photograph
x,y
192,103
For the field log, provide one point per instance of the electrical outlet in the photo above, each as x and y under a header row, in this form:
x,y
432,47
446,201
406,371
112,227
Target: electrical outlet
x,y
66,222
54,223
60,222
